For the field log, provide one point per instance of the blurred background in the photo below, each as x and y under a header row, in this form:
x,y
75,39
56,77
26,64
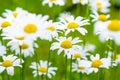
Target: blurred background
x,y
35,6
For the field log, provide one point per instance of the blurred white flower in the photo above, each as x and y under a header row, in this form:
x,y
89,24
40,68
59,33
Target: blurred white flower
x,y
83,2
43,68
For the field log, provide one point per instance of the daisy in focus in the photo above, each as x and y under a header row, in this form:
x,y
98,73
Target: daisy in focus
x,y
97,63
8,64
56,2
81,66
100,5
65,44
108,30
43,69
83,2
72,24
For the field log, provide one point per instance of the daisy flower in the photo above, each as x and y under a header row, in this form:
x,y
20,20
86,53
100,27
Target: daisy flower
x,y
83,2
81,66
109,30
100,5
99,17
89,47
65,44
79,53
51,2
2,49
72,24
14,14
97,63
28,25
5,23
8,64
64,16
26,47
50,30
115,58
43,69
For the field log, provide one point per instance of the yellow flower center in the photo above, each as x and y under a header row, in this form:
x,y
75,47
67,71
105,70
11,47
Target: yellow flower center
x,y
77,55
114,25
7,63
20,38
30,28
5,24
15,14
72,25
96,63
51,28
81,67
43,69
24,46
52,0
80,0
102,17
99,5
66,44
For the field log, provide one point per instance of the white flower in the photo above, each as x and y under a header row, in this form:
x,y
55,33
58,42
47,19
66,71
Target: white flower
x,y
8,63
100,5
97,63
115,58
72,24
108,30
79,53
99,17
83,2
5,23
65,44
49,30
89,47
2,49
81,66
64,16
26,47
51,2
43,69
14,14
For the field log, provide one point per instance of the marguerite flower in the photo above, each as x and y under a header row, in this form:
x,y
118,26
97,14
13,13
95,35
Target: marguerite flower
x,y
51,2
65,44
97,63
109,30
72,24
99,17
81,66
100,5
43,69
64,16
8,64
115,58
83,2
79,53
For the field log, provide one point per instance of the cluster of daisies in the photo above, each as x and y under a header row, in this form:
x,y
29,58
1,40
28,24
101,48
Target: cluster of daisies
x,y
20,29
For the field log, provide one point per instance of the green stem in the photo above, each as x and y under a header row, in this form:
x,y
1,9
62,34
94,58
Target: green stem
x,y
78,9
71,68
21,73
66,69
48,60
36,58
87,11
80,76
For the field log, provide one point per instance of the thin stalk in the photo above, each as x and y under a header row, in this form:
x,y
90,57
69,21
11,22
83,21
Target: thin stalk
x,y
66,68
80,76
48,60
71,68
20,55
36,58
87,11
